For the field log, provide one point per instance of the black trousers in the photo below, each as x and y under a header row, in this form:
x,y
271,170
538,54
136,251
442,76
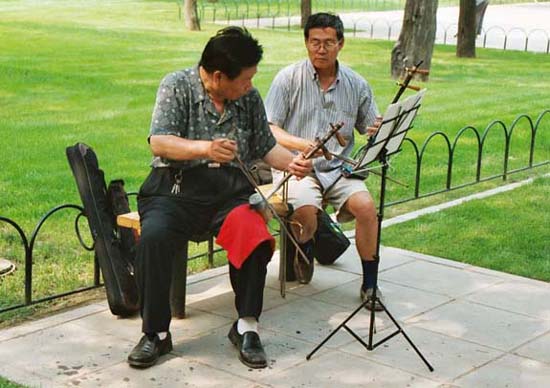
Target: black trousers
x,y
168,221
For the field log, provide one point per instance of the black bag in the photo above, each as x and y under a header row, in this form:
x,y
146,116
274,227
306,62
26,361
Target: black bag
x,y
261,172
329,240
118,204
116,266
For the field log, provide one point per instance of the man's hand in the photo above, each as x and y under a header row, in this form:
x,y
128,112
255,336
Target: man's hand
x,y
222,150
371,131
310,146
299,166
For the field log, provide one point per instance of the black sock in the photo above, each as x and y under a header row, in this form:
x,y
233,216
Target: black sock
x,y
370,271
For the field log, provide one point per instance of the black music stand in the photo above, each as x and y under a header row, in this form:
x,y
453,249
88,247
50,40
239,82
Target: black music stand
x,y
397,121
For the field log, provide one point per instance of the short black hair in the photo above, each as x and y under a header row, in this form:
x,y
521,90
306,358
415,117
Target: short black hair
x,y
324,20
230,51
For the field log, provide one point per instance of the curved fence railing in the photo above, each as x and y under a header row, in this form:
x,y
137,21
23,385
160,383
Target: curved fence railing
x,y
515,38
236,9
411,150
481,139
28,247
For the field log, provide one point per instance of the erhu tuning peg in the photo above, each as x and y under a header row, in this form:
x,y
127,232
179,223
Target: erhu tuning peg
x,y
414,69
413,87
341,140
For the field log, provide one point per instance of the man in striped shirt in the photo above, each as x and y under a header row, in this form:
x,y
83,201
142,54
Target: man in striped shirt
x,y
302,101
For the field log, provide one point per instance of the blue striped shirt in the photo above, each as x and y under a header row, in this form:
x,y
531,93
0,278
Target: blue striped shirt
x,y
297,103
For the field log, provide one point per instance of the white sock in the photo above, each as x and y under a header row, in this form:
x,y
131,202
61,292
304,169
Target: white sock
x,y
247,324
162,335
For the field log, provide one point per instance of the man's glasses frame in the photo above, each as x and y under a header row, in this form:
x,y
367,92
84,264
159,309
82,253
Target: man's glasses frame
x,y
326,44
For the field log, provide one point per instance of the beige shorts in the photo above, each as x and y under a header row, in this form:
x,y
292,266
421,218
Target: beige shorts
x,y
307,191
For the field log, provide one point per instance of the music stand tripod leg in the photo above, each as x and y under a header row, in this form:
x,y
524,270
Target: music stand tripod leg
x,y
374,299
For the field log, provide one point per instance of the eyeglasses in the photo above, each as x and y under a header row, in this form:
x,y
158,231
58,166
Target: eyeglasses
x,y
327,44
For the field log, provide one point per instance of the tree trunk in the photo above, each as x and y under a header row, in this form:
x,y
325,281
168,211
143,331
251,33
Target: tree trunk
x,y
417,37
305,11
467,29
191,16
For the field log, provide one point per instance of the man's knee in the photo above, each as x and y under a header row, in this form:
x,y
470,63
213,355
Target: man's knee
x,y
362,207
152,234
262,255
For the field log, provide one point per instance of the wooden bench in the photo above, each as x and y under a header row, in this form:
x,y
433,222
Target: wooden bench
x,y
179,269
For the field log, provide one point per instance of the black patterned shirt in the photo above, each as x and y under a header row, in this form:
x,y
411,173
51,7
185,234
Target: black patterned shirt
x,y
184,109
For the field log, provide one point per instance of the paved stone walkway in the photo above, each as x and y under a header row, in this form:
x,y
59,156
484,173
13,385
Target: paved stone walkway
x,y
478,328
508,26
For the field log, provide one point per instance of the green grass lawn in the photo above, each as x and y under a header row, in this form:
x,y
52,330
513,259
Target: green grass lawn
x,y
87,71
8,384
506,232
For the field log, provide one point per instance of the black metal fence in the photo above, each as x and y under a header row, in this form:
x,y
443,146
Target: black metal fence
x,y
515,38
497,37
451,148
410,147
237,9
285,15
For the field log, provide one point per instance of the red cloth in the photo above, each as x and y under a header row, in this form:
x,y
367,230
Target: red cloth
x,y
241,232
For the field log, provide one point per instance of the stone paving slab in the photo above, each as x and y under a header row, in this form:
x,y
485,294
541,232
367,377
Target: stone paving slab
x,y
440,279
483,325
448,364
521,298
172,371
51,321
471,324
402,302
324,278
310,320
61,353
349,261
337,369
538,349
509,371
215,350
195,324
216,296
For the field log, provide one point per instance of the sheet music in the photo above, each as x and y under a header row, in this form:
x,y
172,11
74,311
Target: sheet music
x,y
396,121
381,136
394,144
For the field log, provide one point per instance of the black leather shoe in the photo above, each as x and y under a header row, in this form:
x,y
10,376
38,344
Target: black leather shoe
x,y
148,350
251,351
302,268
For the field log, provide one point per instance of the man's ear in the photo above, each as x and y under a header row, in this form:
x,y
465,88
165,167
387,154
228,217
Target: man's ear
x,y
217,76
341,43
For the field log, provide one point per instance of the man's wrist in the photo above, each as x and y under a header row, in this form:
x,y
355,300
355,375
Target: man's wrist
x,y
203,148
